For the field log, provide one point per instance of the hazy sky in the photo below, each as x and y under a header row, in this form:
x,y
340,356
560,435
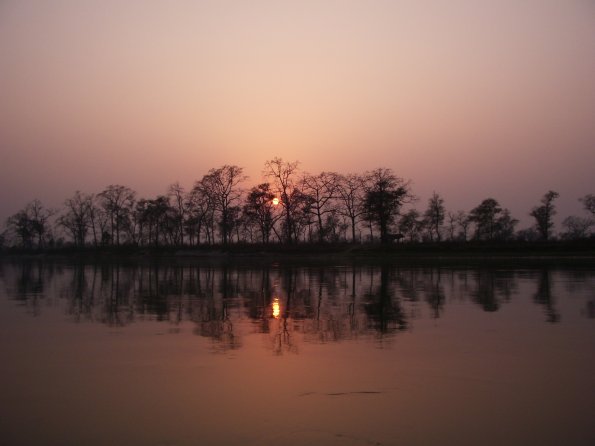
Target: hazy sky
x,y
466,97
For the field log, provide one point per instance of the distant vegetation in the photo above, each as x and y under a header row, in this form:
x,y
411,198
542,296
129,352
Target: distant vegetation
x,y
291,207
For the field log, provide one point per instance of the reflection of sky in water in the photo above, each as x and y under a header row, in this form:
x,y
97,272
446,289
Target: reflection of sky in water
x,y
387,355
322,304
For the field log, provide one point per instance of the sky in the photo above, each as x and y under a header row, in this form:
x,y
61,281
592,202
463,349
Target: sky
x,y
468,98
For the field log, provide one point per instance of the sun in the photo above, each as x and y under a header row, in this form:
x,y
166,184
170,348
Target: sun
x,y
275,201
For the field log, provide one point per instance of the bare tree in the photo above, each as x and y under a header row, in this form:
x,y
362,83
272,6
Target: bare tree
x,y
588,203
177,195
464,222
350,194
434,216
410,225
452,225
98,220
223,186
577,227
31,224
77,219
322,189
284,177
200,212
117,201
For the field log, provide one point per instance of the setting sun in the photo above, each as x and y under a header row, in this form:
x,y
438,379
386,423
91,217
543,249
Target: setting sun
x,y
275,201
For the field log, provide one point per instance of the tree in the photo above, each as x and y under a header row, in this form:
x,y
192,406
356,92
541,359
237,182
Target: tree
x,y
40,217
98,220
350,194
21,225
156,220
588,203
577,227
464,222
77,219
177,195
259,208
505,225
385,193
223,186
284,179
200,212
31,224
117,201
527,235
322,189
543,215
485,217
335,227
411,224
452,225
434,215
301,214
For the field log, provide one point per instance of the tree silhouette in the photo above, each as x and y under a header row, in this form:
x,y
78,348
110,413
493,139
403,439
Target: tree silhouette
x,y
410,225
588,203
577,227
322,189
484,216
201,212
260,210
291,205
350,195
178,197
77,219
222,185
31,224
434,216
543,215
284,176
117,201
385,194
464,221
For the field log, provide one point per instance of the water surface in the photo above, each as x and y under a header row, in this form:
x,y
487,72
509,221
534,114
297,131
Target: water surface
x,y
165,354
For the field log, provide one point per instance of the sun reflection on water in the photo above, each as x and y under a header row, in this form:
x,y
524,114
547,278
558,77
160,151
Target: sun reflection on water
x,y
276,308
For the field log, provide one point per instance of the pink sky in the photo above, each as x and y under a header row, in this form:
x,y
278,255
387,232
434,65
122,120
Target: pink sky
x,y
468,98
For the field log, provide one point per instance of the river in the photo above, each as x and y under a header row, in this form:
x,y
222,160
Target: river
x,y
272,354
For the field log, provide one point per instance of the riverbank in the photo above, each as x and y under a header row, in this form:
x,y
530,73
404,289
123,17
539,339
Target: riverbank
x,y
513,253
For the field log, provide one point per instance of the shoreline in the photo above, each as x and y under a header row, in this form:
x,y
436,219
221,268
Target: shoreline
x,y
559,253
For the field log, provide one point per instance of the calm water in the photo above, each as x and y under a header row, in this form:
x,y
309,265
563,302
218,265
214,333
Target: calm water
x,y
112,354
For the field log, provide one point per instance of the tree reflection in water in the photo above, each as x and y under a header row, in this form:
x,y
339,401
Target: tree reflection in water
x,y
288,303
544,296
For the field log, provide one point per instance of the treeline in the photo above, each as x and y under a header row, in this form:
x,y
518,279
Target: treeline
x,y
291,207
